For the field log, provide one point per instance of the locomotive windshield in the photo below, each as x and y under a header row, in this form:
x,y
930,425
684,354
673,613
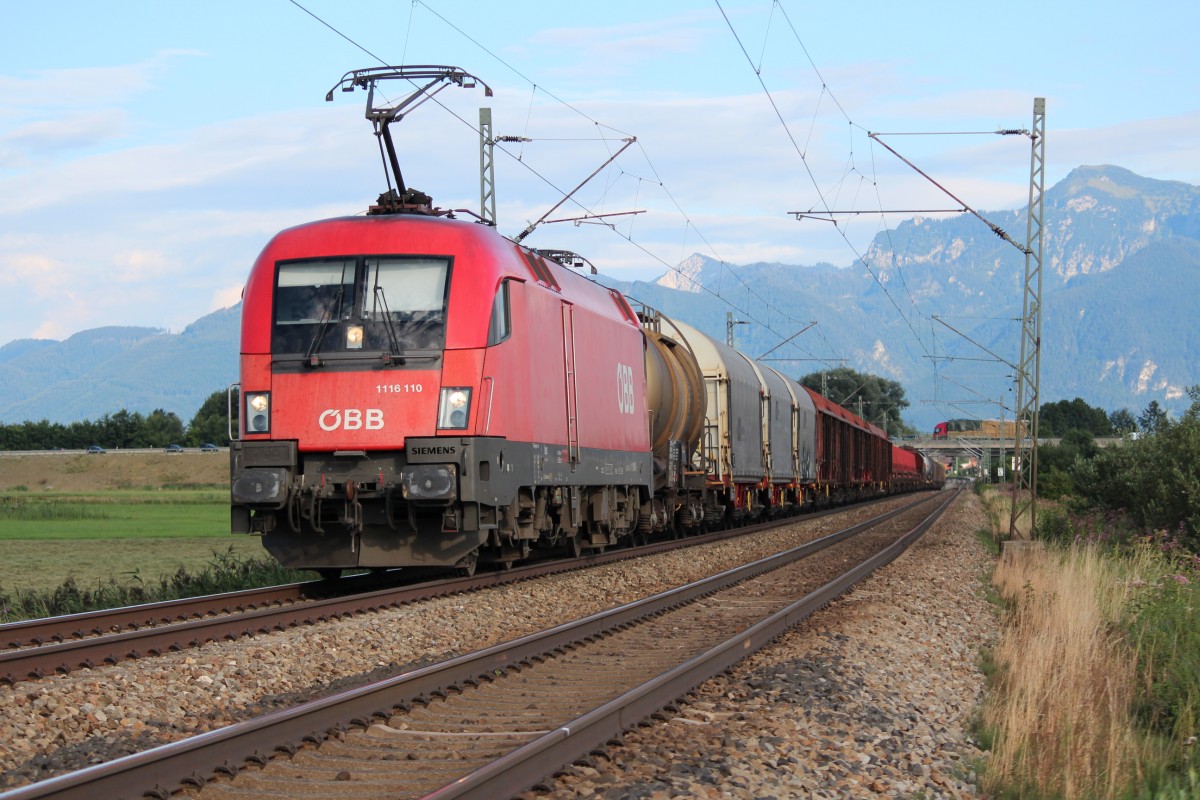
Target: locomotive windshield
x,y
371,304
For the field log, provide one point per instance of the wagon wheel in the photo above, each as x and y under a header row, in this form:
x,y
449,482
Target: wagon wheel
x,y
575,545
465,566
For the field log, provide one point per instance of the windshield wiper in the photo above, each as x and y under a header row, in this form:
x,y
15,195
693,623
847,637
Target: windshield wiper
x,y
393,356
310,356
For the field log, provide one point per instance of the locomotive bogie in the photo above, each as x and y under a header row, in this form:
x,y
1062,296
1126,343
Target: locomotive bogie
x,y
384,508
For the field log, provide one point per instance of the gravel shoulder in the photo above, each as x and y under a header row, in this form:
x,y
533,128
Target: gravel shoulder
x,y
894,661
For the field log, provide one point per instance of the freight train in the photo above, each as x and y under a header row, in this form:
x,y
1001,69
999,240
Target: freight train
x,y
975,429
421,391
417,390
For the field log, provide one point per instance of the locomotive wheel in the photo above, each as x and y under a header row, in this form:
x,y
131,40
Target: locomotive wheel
x,y
330,573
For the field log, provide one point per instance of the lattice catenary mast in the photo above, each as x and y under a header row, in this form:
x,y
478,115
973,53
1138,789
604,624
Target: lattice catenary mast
x,y
487,169
1024,500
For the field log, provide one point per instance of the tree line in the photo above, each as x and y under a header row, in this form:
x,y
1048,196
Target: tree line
x,y
1153,477
125,429
1062,417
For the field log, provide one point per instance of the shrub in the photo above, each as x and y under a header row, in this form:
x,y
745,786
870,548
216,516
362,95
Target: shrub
x,y
1168,640
1055,483
1053,525
1155,479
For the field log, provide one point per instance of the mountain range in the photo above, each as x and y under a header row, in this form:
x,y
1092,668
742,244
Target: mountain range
x,y
932,304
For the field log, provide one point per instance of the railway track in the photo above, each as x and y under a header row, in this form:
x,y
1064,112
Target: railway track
x,y
58,645
494,722
51,630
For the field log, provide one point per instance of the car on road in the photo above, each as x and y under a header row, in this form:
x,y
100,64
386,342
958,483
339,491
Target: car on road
x,y
172,448
209,447
96,450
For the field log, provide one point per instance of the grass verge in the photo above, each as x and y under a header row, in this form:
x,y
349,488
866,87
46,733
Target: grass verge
x,y
1095,682
225,571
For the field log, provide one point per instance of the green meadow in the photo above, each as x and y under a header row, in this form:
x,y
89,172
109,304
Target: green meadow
x,y
123,535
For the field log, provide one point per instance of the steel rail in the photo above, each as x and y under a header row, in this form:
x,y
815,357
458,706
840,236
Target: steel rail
x,y
66,627
104,621
160,771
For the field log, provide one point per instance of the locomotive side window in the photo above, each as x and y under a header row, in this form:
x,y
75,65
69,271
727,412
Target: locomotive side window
x,y
500,326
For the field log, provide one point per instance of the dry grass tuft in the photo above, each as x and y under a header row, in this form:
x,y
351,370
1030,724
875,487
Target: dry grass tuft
x,y
1060,712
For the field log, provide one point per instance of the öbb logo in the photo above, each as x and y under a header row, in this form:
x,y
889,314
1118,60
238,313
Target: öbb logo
x,y
351,419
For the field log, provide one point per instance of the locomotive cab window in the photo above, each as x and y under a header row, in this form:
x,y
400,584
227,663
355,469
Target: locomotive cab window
x,y
311,292
500,326
405,303
364,305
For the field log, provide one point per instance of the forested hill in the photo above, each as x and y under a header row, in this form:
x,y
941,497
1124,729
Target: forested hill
x,y
103,370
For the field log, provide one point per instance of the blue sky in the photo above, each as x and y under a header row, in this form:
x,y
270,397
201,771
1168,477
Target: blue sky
x,y
148,150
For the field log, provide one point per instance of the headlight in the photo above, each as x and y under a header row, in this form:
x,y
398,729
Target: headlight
x,y
454,408
258,412
354,337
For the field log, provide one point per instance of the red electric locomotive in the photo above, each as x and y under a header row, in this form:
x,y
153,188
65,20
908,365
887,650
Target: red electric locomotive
x,y
410,381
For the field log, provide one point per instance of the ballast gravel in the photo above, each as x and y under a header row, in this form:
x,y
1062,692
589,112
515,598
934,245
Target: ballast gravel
x,y
871,697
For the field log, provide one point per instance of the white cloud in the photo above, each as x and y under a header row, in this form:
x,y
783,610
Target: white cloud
x,y
226,297
141,266
71,131
623,49
77,88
